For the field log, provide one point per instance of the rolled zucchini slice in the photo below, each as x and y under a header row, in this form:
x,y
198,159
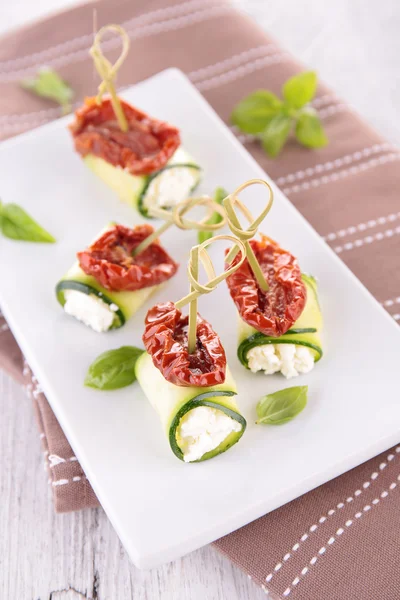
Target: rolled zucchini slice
x,y
84,298
200,423
291,354
164,188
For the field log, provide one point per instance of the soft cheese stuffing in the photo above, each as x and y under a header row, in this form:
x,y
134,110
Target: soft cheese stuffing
x,y
288,359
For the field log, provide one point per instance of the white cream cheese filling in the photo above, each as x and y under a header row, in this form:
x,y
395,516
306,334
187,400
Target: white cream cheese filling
x,y
288,359
90,309
172,186
202,429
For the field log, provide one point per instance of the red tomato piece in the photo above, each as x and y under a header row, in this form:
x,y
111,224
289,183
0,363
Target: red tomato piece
x,y
272,312
165,339
109,259
145,148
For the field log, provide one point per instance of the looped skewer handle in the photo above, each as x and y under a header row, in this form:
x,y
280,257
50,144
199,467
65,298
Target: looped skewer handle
x,y
199,254
175,217
198,288
247,234
108,71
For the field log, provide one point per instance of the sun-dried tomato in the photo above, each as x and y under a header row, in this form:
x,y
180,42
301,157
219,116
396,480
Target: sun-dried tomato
x,y
272,312
145,148
109,259
165,339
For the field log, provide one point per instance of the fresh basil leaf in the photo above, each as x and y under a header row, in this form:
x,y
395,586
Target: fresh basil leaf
x,y
300,89
309,130
48,84
255,111
282,406
16,224
219,195
275,134
113,369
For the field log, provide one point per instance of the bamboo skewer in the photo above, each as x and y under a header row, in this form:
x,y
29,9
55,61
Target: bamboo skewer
x,y
199,254
175,217
108,71
245,235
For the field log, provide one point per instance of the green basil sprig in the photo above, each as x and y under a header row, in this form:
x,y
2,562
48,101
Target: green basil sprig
x,y
219,195
282,406
272,120
16,224
48,84
113,369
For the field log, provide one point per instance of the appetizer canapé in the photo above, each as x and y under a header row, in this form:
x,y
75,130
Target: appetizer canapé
x,y
184,373
194,394
139,157
108,284
145,166
279,315
278,328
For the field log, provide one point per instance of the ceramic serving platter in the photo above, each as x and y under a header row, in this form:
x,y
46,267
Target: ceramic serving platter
x,y
161,507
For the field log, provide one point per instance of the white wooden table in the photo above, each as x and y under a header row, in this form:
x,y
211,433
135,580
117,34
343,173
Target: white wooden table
x,y
44,556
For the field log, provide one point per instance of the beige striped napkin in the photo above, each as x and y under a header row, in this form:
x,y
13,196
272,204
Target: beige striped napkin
x,y
340,541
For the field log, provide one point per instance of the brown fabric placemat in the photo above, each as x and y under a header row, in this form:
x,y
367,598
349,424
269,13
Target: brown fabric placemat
x,y
340,541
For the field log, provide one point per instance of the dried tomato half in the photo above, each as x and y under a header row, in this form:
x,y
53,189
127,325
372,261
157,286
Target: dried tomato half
x,y
109,259
165,339
272,312
145,148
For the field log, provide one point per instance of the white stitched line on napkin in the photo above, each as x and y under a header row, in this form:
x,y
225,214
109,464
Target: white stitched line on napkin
x,y
375,162
48,113
54,460
361,227
391,302
242,71
66,481
25,369
324,113
325,99
369,239
331,512
330,165
339,532
9,128
134,33
37,59
232,61
22,121
44,115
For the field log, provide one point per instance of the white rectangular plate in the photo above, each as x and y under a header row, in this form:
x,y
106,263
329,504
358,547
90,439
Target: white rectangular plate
x,y
161,507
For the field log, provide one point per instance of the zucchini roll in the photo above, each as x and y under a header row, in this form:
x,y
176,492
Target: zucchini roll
x,y
292,353
145,166
279,329
107,284
193,394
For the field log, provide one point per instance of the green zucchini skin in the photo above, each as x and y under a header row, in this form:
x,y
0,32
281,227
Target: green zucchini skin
x,y
172,402
201,400
258,339
68,284
133,189
305,331
128,302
